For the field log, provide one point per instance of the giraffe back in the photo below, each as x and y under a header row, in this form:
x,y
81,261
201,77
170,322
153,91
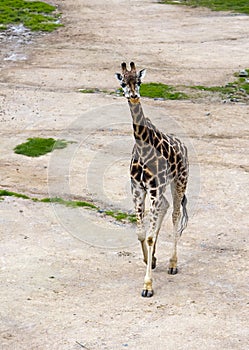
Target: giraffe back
x,y
158,159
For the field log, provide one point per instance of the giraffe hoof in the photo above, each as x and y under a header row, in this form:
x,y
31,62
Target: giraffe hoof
x,y
172,270
147,293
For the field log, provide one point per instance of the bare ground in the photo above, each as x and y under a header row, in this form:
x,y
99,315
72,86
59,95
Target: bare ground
x,y
71,277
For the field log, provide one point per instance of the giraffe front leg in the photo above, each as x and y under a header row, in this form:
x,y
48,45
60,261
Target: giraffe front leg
x,y
141,237
147,289
157,212
139,195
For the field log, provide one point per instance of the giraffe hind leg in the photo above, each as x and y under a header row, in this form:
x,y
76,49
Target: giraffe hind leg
x,y
147,289
180,221
184,218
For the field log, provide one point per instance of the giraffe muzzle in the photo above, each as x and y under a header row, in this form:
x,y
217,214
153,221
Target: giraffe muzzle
x,y
134,100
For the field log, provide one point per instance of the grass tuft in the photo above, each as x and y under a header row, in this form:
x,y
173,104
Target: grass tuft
x,y
37,146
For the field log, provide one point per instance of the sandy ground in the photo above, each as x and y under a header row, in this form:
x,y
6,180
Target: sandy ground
x,y
72,276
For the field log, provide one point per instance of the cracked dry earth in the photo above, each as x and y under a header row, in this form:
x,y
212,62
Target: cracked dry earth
x,y
72,278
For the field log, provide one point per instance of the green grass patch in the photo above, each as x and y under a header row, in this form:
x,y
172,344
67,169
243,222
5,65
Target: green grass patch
x,y
5,193
35,15
90,91
120,216
159,90
68,203
239,6
37,146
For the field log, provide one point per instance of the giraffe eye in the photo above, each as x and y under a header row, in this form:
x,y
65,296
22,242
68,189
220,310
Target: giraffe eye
x,y
139,83
123,85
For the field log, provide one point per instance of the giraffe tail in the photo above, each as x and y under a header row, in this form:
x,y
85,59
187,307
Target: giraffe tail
x,y
184,219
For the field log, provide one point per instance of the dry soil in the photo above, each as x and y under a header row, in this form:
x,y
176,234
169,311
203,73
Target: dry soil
x,y
71,278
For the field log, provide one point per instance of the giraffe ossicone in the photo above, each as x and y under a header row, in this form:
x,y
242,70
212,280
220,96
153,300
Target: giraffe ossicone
x,y
158,160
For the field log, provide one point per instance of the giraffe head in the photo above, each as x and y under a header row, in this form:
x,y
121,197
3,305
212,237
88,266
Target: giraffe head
x,y
130,81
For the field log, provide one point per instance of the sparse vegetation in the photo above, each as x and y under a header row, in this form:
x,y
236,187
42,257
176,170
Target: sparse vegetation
x,y
237,90
151,90
68,203
35,15
117,215
89,91
37,146
239,6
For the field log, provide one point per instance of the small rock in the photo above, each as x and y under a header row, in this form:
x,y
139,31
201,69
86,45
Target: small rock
x,y
243,73
233,99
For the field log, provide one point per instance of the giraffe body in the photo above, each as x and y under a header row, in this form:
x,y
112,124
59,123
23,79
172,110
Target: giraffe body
x,y
157,160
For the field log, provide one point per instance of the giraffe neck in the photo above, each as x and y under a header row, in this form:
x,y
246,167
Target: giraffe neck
x,y
140,126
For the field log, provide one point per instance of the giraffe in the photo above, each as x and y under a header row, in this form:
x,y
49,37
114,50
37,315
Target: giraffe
x,y
157,160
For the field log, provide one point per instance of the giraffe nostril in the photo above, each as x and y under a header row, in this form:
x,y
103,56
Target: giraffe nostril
x,y
134,96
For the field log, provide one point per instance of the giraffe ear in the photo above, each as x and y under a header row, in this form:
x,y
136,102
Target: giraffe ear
x,y
141,74
118,76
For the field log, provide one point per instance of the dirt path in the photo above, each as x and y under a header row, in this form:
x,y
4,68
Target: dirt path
x,y
70,275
